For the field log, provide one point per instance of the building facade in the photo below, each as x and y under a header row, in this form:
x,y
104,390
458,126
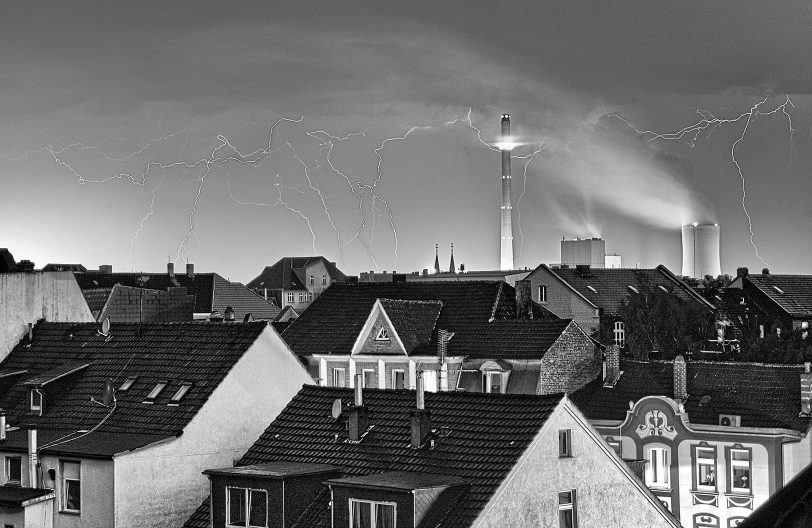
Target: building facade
x,y
296,281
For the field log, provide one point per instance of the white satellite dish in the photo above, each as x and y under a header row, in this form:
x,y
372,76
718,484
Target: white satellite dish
x,y
107,395
336,412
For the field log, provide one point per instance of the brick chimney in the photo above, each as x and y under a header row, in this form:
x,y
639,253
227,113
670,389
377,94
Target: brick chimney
x,y
612,366
190,270
170,269
358,420
420,418
680,379
742,272
523,301
806,390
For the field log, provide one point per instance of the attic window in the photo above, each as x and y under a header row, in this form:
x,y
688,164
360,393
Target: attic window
x,y
633,289
593,290
156,391
663,288
178,396
36,400
778,290
383,334
127,384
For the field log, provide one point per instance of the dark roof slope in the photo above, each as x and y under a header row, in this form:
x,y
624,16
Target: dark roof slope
x,y
606,288
15,496
482,438
413,320
288,273
96,298
242,300
469,308
792,293
789,507
763,395
198,353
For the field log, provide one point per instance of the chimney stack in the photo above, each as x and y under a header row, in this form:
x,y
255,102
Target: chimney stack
x,y
806,390
419,418
106,269
190,270
524,309
506,246
215,317
612,365
32,458
25,265
358,420
742,272
680,380
170,269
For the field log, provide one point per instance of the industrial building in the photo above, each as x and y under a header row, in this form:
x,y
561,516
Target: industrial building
x,y
700,250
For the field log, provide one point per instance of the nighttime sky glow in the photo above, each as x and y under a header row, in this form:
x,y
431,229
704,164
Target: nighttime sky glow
x,y
232,135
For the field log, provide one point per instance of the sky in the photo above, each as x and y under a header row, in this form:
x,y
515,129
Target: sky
x,y
231,134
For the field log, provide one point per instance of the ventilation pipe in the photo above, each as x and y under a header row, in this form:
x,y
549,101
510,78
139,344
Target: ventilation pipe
x,y
32,458
419,418
358,420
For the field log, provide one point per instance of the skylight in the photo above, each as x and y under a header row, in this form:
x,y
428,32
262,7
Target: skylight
x,y
777,289
127,384
178,396
157,390
593,290
635,290
664,288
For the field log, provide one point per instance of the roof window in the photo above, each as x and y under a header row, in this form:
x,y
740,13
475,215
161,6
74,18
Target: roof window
x,y
778,290
633,289
127,384
593,290
156,391
663,288
178,396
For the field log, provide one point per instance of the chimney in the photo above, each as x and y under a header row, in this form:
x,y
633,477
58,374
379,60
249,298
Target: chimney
x,y
806,390
358,420
215,317
612,365
229,314
25,266
680,380
742,272
170,269
582,270
32,458
524,308
765,271
30,332
419,418
106,269
190,270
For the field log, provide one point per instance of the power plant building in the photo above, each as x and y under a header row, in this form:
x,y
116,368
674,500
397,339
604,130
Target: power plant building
x,y
584,251
700,250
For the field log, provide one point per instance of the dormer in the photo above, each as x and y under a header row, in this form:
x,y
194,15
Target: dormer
x,y
49,384
271,495
394,499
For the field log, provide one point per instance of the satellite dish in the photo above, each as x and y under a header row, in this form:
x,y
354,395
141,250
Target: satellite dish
x,y
107,395
336,412
105,326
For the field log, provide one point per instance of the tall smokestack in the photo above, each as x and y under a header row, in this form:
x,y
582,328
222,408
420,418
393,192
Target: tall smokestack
x,y
700,250
506,260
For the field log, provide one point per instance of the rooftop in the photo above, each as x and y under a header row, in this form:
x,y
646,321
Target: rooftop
x,y
288,273
792,293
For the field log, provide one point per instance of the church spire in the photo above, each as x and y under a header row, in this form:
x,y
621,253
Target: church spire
x,y
452,268
436,258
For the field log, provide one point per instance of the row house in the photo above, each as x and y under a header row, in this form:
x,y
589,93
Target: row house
x,y
296,281
718,438
371,458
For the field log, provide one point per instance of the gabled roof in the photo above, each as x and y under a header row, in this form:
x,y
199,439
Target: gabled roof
x,y
789,507
606,288
198,353
482,438
64,267
763,395
791,293
288,273
413,321
473,310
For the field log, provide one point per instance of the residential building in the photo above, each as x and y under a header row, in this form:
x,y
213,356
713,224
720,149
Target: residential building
x,y
117,422
476,336
296,281
590,296
790,507
386,459
719,438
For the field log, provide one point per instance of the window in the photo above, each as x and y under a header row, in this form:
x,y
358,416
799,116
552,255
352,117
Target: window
x,y
291,297
615,445
303,297
705,464
739,464
178,396
246,507
156,391
14,469
368,378
620,334
657,469
36,400
761,331
398,379
382,335
664,289
369,514
633,289
310,296
592,289
430,380
339,377
312,280
71,495
492,382
565,443
542,294
324,280
566,509
127,384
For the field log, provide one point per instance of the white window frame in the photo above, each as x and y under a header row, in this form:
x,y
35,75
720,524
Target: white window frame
x,y
343,372
63,496
486,381
182,390
291,297
565,443
394,378
247,505
570,506
156,391
701,460
324,280
619,333
741,463
658,469
127,383
372,513
542,291
382,335
302,297
8,469
430,381
312,280
37,407
372,384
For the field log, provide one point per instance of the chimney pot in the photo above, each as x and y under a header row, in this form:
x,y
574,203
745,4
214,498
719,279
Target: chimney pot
x,y
170,269
359,393
765,271
190,270
419,418
742,272
30,332
358,420
680,379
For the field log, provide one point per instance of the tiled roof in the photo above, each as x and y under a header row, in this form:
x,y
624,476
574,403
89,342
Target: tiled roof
x,y
606,288
15,496
473,310
789,507
763,395
287,273
413,321
482,438
792,293
198,353
242,300
96,298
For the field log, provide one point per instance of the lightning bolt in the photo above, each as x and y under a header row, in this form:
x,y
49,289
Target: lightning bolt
x,y
708,123
529,159
143,220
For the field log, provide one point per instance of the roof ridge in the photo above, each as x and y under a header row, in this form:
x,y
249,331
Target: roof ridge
x,y
416,301
496,302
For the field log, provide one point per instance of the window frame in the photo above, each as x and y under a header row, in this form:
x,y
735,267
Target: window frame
x,y
372,510
732,464
619,333
364,384
486,381
698,460
324,280
63,479
7,468
127,383
37,407
156,391
652,472
184,388
542,293
291,296
246,501
565,443
302,297
312,280
402,372
343,373
568,507
382,334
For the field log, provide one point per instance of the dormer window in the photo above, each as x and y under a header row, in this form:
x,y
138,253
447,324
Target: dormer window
x,y
36,401
178,396
155,391
382,335
372,514
127,384
247,507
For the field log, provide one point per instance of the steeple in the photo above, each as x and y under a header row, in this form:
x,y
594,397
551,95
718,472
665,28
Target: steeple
x,y
452,268
436,258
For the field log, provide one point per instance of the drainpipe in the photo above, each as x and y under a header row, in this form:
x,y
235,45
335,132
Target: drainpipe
x,y
32,458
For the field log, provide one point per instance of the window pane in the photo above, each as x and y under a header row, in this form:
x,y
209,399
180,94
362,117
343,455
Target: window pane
x,y
740,455
14,468
236,506
702,452
399,380
369,378
73,496
565,519
565,497
385,516
258,502
741,477
707,476
361,517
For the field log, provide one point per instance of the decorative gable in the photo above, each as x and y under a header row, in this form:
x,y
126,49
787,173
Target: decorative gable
x,y
378,335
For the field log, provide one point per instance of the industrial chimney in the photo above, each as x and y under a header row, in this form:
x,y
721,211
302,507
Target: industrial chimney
x,y
700,250
505,145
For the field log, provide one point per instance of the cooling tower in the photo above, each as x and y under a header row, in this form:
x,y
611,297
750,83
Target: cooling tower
x,y
700,250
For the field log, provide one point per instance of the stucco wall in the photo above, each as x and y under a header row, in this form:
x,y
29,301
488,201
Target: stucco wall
x,y
564,302
607,495
573,361
797,456
161,485
27,297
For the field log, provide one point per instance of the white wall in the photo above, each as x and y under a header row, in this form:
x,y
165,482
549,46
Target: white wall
x,y
162,485
797,455
27,297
